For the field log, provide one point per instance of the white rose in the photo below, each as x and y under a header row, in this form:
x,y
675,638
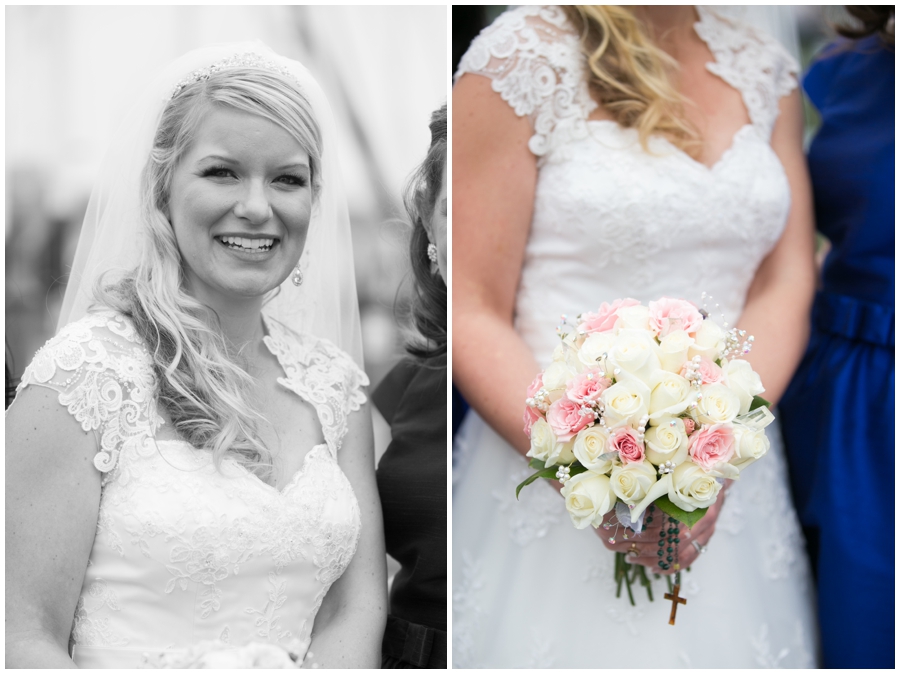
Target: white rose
x,y
749,445
543,440
589,446
625,403
740,378
667,442
556,376
633,318
634,354
719,405
631,481
692,487
588,498
595,345
673,350
561,453
559,353
670,395
709,341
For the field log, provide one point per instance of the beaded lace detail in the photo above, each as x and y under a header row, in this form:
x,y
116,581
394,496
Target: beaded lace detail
x,y
534,60
186,551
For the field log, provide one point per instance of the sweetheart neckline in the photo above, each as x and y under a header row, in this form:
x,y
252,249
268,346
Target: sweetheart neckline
x,y
278,492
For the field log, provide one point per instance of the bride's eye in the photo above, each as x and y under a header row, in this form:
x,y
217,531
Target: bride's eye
x,y
292,180
217,172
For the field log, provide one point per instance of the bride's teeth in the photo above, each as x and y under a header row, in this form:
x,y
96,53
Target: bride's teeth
x,y
248,244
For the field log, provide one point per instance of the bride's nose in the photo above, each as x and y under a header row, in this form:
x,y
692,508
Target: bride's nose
x,y
254,205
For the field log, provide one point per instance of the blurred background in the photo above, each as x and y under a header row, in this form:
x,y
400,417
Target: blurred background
x,y
71,72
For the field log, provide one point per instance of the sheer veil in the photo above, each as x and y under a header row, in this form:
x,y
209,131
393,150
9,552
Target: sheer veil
x,y
324,305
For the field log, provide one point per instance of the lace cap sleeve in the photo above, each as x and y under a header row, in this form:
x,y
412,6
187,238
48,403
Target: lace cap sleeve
x,y
751,61
533,58
105,379
322,374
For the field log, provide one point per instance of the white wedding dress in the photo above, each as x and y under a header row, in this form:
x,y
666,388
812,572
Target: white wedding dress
x,y
611,221
185,552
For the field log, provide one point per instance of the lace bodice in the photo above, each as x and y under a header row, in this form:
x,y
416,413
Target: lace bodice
x,y
186,552
597,231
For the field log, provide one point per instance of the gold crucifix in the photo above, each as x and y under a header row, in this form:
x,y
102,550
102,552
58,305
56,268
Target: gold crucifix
x,y
676,600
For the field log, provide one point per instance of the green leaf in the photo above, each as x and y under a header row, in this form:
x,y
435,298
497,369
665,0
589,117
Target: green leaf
x,y
672,510
759,402
537,463
546,472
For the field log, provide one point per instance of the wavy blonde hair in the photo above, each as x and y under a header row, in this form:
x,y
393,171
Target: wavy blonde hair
x,y
201,383
631,77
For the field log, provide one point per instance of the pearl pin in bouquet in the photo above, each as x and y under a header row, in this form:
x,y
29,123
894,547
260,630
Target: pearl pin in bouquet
x,y
645,409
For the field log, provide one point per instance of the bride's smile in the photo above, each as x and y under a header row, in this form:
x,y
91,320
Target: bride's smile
x,y
240,205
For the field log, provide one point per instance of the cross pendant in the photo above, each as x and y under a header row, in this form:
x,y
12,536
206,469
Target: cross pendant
x,y
676,600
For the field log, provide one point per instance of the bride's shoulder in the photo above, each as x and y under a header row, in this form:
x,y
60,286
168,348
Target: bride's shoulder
x,y
307,358
520,36
746,50
101,341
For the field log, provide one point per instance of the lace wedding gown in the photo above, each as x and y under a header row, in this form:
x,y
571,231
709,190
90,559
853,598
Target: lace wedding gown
x,y
611,220
185,552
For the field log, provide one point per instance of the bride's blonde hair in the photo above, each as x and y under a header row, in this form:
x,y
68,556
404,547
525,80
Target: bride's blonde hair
x,y
630,76
201,384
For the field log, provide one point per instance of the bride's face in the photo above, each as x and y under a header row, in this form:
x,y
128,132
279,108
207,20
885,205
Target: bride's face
x,y
240,204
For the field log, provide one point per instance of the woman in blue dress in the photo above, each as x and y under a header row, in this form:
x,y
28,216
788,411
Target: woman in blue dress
x,y
838,414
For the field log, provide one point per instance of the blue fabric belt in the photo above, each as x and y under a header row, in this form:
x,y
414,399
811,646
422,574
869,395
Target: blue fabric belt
x,y
854,319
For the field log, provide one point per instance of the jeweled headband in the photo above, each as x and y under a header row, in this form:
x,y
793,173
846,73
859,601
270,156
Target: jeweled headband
x,y
245,60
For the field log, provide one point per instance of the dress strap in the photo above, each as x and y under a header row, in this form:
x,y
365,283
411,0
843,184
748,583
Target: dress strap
x,y
752,62
533,57
322,375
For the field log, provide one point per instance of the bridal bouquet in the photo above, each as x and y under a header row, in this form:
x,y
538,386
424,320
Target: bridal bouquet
x,y
215,654
643,407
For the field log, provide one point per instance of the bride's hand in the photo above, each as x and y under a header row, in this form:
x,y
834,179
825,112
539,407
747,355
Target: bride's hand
x,y
642,548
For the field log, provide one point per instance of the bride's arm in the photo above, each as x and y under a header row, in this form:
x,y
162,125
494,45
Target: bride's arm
x,y
779,299
350,624
494,177
52,503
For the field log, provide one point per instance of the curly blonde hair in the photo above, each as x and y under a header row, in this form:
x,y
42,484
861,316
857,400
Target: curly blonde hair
x,y
630,76
201,383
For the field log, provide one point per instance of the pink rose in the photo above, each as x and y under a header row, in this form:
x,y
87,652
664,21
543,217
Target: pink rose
x,y
711,445
627,443
535,386
688,426
531,415
709,372
566,419
668,314
587,386
605,318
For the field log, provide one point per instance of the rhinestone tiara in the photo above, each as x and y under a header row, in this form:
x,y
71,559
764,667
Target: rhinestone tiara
x,y
245,60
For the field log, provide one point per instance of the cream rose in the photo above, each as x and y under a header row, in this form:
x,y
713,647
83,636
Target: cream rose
x,y
589,446
594,347
588,498
634,354
692,487
719,405
673,350
625,403
740,378
709,341
749,445
667,442
670,395
633,318
632,481
555,378
543,440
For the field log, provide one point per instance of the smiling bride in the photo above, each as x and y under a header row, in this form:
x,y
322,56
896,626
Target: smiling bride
x,y
182,469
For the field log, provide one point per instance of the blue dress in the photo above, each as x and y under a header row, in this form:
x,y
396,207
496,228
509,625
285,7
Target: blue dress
x,y
838,413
